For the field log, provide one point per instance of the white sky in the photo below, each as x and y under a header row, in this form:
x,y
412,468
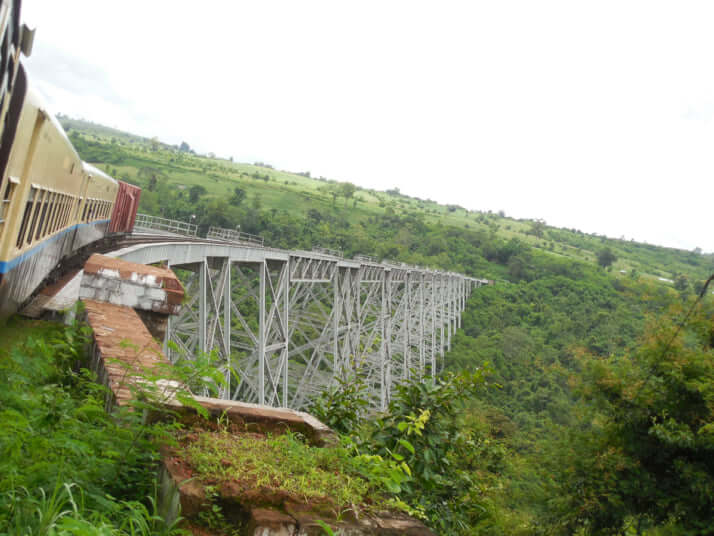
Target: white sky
x,y
595,115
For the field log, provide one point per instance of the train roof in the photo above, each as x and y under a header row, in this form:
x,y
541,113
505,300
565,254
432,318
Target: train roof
x,y
36,99
96,172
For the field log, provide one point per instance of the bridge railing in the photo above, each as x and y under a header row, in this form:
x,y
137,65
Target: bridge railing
x,y
156,223
366,258
234,235
327,251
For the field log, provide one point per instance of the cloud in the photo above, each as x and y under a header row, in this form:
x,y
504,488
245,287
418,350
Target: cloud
x,y
596,116
72,74
701,112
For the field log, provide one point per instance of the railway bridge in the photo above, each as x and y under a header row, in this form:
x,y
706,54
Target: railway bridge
x,y
285,324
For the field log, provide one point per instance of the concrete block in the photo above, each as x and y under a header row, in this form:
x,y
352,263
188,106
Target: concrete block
x,y
156,294
130,284
86,292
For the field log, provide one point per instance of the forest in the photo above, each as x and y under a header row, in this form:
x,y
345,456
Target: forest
x,y
577,399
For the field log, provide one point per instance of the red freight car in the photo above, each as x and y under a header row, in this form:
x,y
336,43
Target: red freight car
x,y
125,207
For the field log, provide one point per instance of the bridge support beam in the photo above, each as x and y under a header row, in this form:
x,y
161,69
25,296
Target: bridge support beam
x,y
285,326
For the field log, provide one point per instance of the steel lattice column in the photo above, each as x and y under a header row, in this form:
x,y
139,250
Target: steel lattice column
x,y
290,326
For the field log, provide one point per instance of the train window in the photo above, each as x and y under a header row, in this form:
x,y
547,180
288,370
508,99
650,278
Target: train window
x,y
58,217
51,212
60,212
47,227
68,210
65,211
50,225
55,212
6,198
43,215
35,215
26,217
52,218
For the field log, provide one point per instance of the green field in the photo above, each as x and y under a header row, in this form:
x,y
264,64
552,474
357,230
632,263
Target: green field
x,y
137,159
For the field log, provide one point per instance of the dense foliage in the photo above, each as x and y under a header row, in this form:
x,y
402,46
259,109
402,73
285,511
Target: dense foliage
x,y
66,465
647,458
589,423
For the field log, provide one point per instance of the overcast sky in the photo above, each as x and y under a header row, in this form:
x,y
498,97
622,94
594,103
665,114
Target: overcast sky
x,y
595,115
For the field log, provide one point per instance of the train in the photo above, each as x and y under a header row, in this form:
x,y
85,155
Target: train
x,y
52,204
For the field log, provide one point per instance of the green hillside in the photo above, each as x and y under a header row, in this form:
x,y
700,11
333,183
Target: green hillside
x,y
159,168
578,398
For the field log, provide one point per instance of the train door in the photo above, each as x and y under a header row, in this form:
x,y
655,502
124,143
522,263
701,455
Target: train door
x,y
9,34
24,197
7,136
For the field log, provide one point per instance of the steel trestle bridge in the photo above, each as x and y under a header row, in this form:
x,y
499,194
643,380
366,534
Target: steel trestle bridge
x,y
289,323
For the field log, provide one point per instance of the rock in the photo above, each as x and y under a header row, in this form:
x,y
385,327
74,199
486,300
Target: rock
x,y
269,522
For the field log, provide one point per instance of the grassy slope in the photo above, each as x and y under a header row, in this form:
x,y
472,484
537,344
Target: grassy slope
x,y
16,330
133,158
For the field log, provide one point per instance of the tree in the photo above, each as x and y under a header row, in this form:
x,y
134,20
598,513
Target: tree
x,y
647,459
257,201
184,147
347,189
606,257
238,196
537,228
314,215
195,193
681,283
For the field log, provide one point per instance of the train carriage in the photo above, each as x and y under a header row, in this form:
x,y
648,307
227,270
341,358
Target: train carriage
x,y
52,203
125,208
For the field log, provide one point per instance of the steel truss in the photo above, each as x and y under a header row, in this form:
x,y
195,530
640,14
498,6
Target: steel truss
x,y
284,328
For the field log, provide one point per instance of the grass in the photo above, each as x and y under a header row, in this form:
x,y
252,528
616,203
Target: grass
x,y
16,330
66,466
281,465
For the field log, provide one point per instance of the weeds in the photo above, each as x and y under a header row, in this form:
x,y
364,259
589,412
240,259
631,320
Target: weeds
x,y
281,464
67,467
